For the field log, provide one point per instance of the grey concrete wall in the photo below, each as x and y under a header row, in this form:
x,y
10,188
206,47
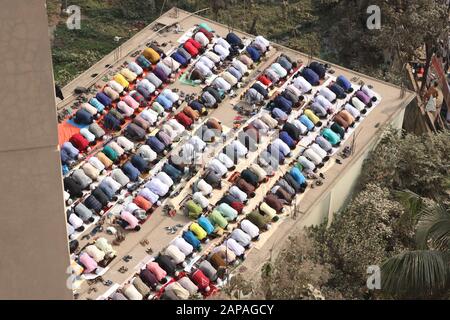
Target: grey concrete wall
x,y
34,252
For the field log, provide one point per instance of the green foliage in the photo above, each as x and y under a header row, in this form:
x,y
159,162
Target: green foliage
x,y
433,229
359,236
416,163
416,274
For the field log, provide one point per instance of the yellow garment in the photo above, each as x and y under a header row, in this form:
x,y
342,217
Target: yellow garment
x,y
104,159
200,233
128,74
268,210
312,116
151,55
120,79
76,268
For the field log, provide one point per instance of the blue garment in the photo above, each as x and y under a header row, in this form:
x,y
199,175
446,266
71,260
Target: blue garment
x,y
65,170
172,172
131,171
166,103
143,62
111,123
107,190
283,104
155,144
179,58
104,99
97,104
286,138
254,53
278,156
306,122
191,239
338,91
344,83
235,72
139,163
196,105
318,68
83,116
92,203
205,224
310,76
279,114
233,39
65,157
297,175
143,90
285,63
70,149
184,53
260,89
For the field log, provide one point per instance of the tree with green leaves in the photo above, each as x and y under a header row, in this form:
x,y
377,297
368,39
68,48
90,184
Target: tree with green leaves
x,y
425,271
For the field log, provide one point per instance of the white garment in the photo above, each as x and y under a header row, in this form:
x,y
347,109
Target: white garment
x,y
149,195
314,157
206,61
183,245
221,51
169,94
238,193
249,228
303,85
126,144
240,149
204,187
149,115
75,221
358,104
201,38
241,237
227,162
200,199
281,145
198,143
328,94
217,167
96,163
147,153
220,83
176,254
234,246
125,108
164,177
318,150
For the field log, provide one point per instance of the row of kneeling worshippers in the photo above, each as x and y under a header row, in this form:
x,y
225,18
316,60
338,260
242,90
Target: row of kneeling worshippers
x,y
227,50
93,257
165,277
131,89
278,71
100,176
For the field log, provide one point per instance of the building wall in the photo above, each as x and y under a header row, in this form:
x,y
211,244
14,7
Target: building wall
x,y
33,236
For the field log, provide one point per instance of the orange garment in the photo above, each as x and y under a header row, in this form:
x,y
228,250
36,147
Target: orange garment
x,y
142,203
